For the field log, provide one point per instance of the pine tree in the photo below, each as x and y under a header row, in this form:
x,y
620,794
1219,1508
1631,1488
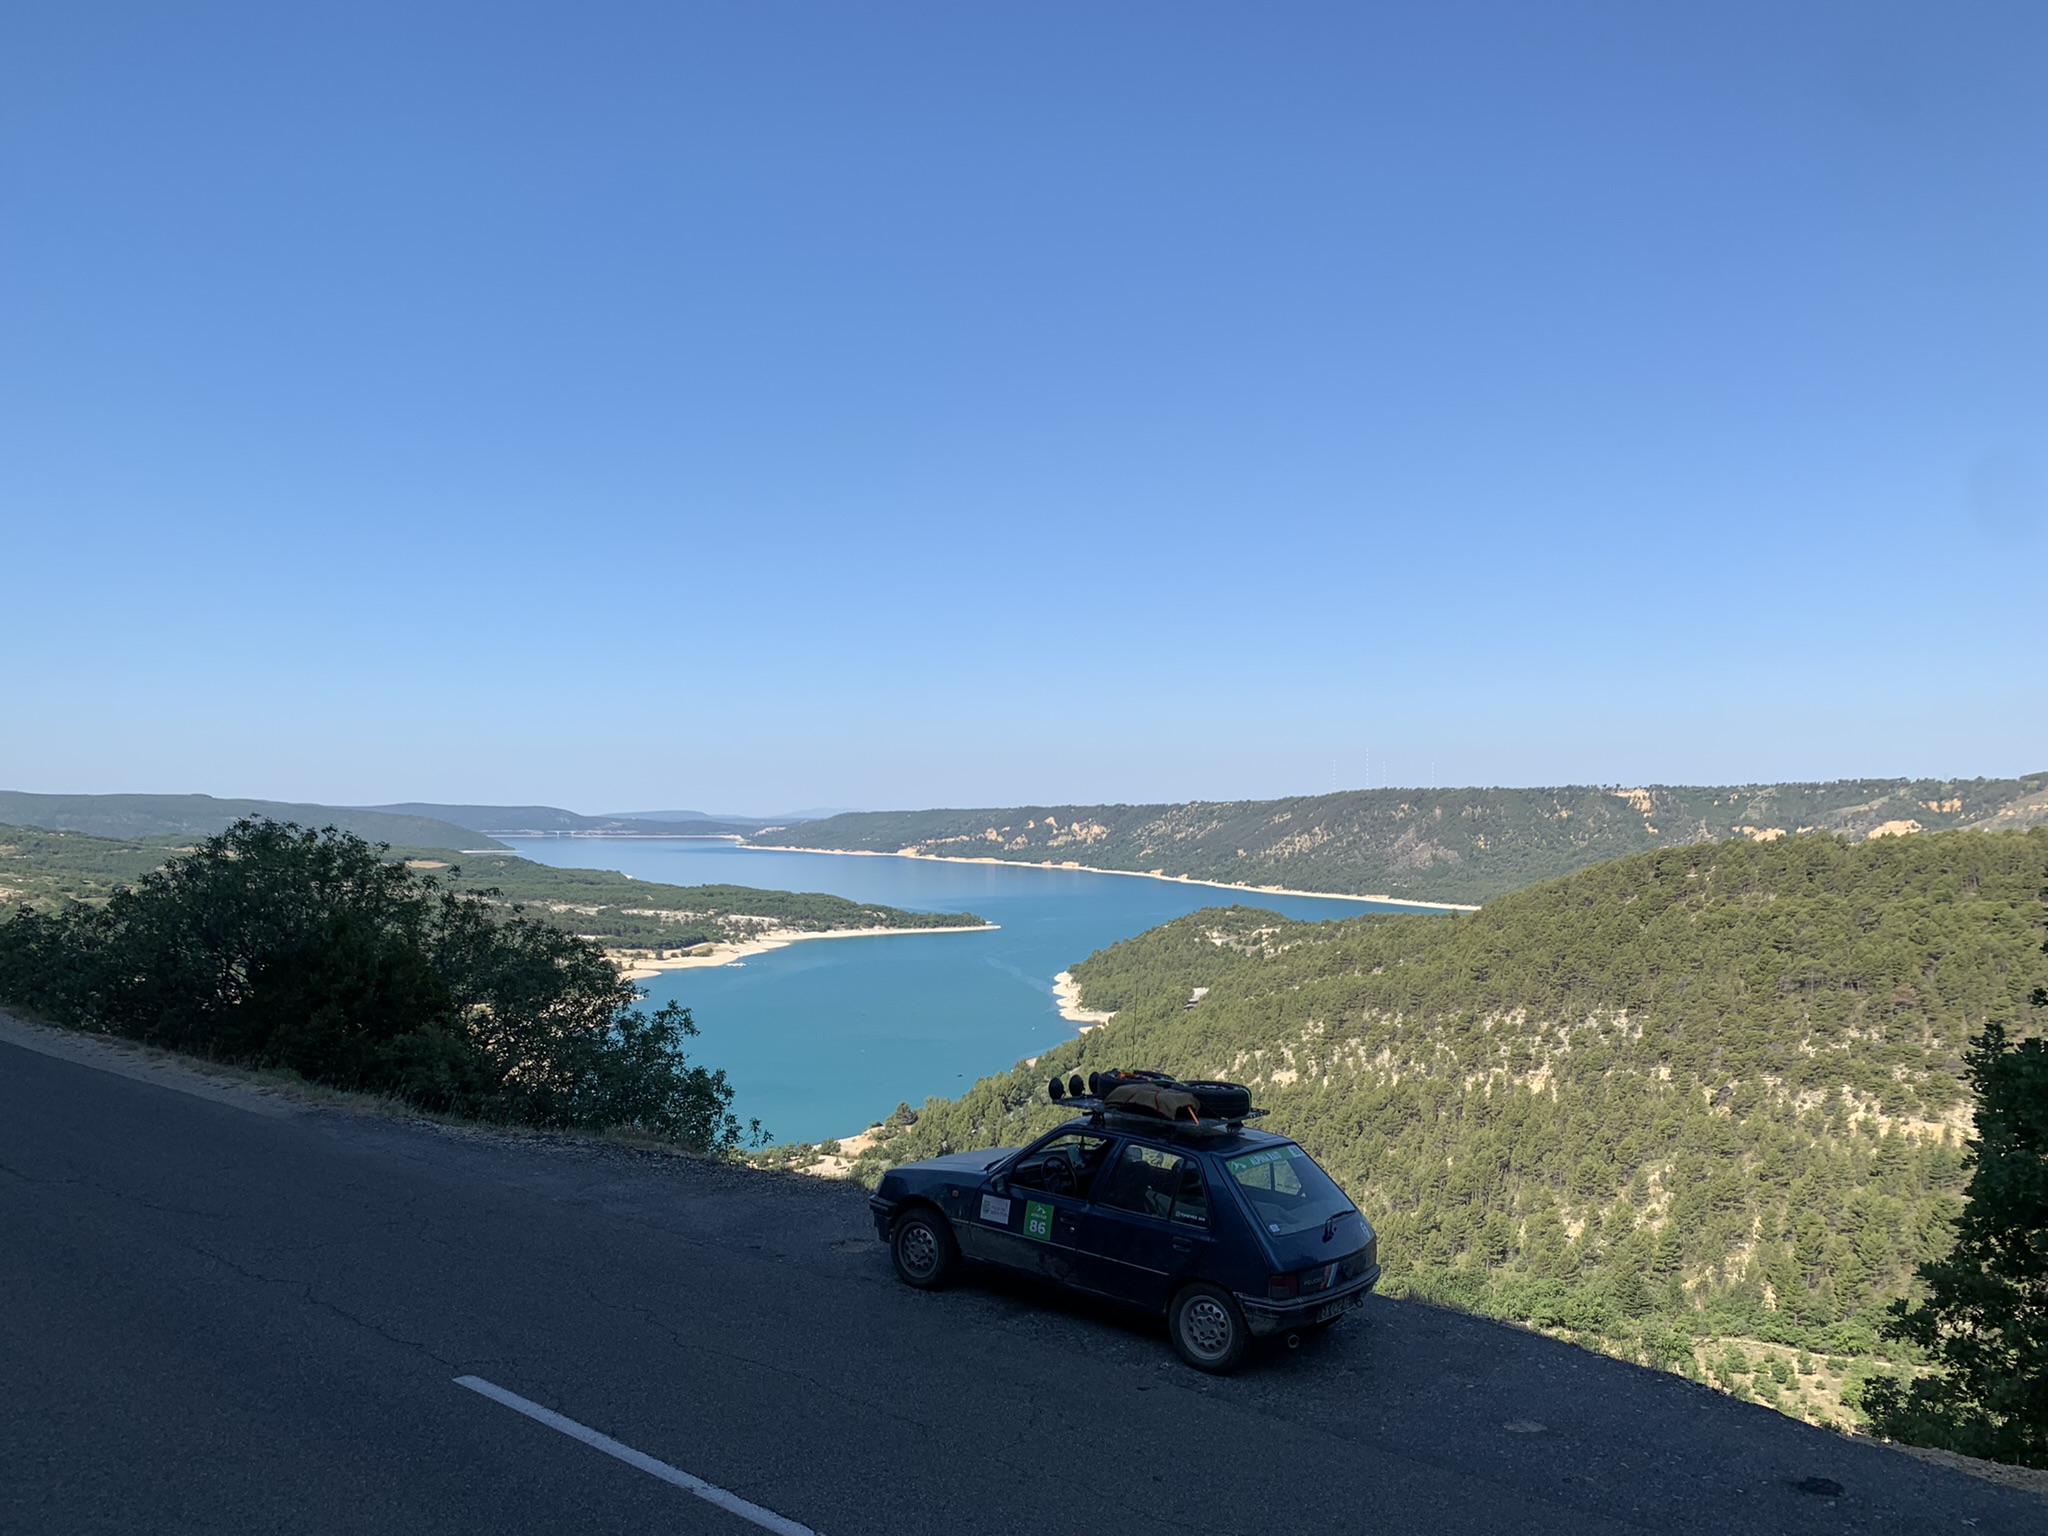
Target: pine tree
x,y
1985,1320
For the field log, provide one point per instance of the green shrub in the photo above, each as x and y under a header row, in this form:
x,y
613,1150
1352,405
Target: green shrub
x,y
274,946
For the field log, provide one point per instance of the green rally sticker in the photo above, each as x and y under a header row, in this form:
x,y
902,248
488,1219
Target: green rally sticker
x,y
1038,1220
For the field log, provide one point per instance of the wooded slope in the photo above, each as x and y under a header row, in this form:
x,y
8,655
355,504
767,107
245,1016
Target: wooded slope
x,y
1457,845
1713,1090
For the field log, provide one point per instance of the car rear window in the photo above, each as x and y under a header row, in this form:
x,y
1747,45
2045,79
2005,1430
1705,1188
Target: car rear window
x,y
1287,1191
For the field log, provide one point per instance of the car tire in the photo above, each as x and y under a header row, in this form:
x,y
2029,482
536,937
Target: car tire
x,y
922,1247
1221,1101
1208,1328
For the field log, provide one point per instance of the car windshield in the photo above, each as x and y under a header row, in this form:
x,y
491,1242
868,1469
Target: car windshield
x,y
1287,1191
1066,1165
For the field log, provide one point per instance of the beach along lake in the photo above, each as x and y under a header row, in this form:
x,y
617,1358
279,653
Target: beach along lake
x,y
823,1037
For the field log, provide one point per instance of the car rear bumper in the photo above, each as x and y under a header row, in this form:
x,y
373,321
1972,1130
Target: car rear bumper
x,y
1265,1317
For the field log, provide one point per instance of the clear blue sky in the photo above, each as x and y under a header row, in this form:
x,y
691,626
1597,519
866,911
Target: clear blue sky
x,y
760,405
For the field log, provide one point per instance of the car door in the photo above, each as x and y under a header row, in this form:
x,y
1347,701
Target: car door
x,y
1032,1216
1149,1225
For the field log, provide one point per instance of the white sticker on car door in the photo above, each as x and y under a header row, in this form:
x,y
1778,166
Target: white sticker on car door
x,y
995,1211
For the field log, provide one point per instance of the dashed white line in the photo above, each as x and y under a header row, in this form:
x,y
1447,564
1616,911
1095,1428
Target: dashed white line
x,y
711,1493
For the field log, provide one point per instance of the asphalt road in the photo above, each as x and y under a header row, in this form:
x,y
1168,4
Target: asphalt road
x,y
226,1313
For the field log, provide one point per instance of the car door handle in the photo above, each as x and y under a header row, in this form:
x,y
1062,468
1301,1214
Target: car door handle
x,y
1182,1245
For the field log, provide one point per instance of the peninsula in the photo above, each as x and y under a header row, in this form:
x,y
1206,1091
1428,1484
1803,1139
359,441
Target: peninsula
x,y
643,925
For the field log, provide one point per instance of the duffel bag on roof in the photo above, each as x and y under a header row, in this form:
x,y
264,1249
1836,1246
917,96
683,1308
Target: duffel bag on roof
x,y
1212,1100
1168,1101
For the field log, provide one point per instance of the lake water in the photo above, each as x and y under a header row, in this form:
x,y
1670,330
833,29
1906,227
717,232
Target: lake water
x,y
823,1037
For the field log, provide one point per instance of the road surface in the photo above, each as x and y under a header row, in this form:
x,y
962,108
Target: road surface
x,y
223,1311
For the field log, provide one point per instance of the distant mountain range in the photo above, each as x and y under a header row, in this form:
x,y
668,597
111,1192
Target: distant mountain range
x,y
204,815
553,821
815,813
1459,845
414,824
1456,845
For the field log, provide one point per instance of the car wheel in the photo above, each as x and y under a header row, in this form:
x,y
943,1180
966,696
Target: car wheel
x,y
922,1245
1221,1101
1208,1329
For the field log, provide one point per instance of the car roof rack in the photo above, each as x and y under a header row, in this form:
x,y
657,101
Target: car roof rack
x,y
1107,1115
1091,1098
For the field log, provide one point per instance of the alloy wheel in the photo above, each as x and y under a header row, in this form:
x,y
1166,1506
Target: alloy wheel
x,y
919,1249
1206,1327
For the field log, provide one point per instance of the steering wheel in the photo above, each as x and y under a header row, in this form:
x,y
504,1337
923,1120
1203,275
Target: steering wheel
x,y
1059,1176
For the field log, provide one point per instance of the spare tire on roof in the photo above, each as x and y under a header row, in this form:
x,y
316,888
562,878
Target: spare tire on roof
x,y
1220,1101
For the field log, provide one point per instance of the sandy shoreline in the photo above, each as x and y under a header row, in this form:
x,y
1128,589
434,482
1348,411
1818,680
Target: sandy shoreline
x,y
1135,874
639,968
840,1165
1066,992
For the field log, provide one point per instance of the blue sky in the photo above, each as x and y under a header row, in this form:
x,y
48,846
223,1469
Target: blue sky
x,y
757,405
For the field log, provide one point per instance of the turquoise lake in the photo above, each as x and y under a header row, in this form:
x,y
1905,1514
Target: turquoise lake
x,y
822,1038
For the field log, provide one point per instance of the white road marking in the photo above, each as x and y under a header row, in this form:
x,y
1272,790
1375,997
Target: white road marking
x,y
711,1493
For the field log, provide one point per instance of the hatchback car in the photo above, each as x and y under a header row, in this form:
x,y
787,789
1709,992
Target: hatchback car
x,y
1231,1234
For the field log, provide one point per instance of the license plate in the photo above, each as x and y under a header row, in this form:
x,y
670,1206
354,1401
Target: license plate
x,y
1339,1307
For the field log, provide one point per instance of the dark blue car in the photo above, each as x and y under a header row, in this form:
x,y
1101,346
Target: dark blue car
x,y
1230,1233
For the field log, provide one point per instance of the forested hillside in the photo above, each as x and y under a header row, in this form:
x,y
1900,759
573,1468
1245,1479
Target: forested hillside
x,y
1453,845
42,868
45,869
1703,1093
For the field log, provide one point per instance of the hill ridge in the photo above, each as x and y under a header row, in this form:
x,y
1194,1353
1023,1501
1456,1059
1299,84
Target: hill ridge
x,y
1452,845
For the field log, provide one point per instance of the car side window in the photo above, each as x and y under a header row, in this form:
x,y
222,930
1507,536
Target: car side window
x,y
1155,1182
1066,1165
1191,1200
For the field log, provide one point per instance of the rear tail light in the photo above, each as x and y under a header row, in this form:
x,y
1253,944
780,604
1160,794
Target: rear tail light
x,y
1307,1283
